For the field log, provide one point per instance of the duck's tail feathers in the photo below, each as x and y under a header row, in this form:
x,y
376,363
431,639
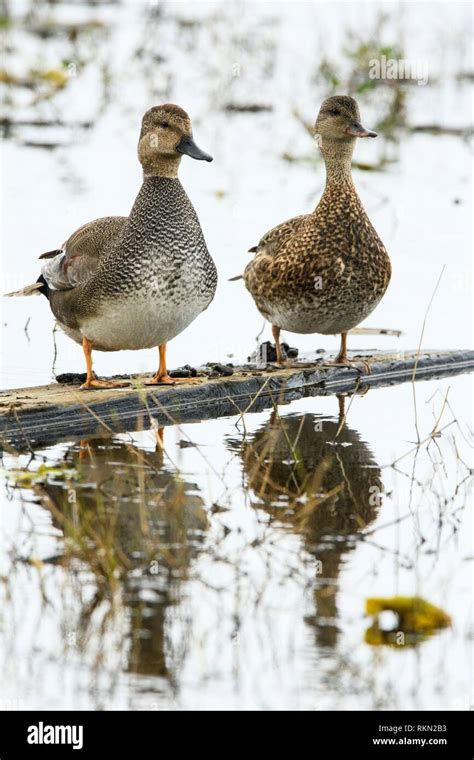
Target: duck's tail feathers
x,y
28,290
233,279
50,254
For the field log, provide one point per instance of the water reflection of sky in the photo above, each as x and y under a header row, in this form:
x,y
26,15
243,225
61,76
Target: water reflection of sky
x,y
233,570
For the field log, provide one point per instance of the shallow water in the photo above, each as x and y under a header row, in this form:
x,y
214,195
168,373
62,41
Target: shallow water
x,y
232,568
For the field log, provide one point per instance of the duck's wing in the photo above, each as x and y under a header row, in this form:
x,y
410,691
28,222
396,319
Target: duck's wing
x,y
76,261
275,238
272,242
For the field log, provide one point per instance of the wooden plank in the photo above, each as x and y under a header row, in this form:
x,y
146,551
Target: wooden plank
x,y
34,417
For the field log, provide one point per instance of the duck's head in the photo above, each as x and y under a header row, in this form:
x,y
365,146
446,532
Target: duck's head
x,y
166,136
339,120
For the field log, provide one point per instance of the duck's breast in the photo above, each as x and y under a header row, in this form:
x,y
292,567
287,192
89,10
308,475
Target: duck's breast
x,y
157,281
142,322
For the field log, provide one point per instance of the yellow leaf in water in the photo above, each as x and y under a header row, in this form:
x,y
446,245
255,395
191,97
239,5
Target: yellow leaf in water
x,y
415,620
56,77
7,78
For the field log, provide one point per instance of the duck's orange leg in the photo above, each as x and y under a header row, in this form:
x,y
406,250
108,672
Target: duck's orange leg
x,y
343,360
276,337
162,378
160,440
342,357
84,449
91,379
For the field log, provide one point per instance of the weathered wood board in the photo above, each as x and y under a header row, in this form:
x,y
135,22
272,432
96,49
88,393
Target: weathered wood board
x,y
41,416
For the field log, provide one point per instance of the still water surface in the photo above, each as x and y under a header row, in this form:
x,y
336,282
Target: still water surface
x,y
231,569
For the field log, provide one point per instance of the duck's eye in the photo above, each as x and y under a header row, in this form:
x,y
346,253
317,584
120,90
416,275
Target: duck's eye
x,y
335,111
164,124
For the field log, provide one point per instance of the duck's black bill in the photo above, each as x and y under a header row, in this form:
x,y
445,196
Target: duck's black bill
x,y
357,130
188,147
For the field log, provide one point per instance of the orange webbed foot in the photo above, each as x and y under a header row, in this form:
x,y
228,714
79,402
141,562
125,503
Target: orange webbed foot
x,y
161,376
361,365
93,383
167,380
342,360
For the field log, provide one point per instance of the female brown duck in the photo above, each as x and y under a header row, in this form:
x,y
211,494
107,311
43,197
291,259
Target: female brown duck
x,y
323,272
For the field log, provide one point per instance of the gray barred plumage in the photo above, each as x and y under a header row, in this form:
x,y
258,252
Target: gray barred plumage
x,y
154,279
136,282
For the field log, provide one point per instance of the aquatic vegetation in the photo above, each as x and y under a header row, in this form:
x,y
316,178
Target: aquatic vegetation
x,y
350,72
52,27
155,572
25,478
56,78
43,56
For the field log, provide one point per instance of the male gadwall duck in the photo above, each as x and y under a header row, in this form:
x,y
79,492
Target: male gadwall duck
x,y
323,272
138,281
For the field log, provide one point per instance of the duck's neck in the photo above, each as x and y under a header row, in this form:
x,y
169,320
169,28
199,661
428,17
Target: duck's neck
x,y
337,156
162,167
158,198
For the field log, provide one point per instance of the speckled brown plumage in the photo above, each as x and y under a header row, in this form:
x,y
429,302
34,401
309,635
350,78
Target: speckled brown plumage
x,y
326,271
316,476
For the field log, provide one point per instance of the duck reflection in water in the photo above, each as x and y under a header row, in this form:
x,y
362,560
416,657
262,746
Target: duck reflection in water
x,y
137,526
316,476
